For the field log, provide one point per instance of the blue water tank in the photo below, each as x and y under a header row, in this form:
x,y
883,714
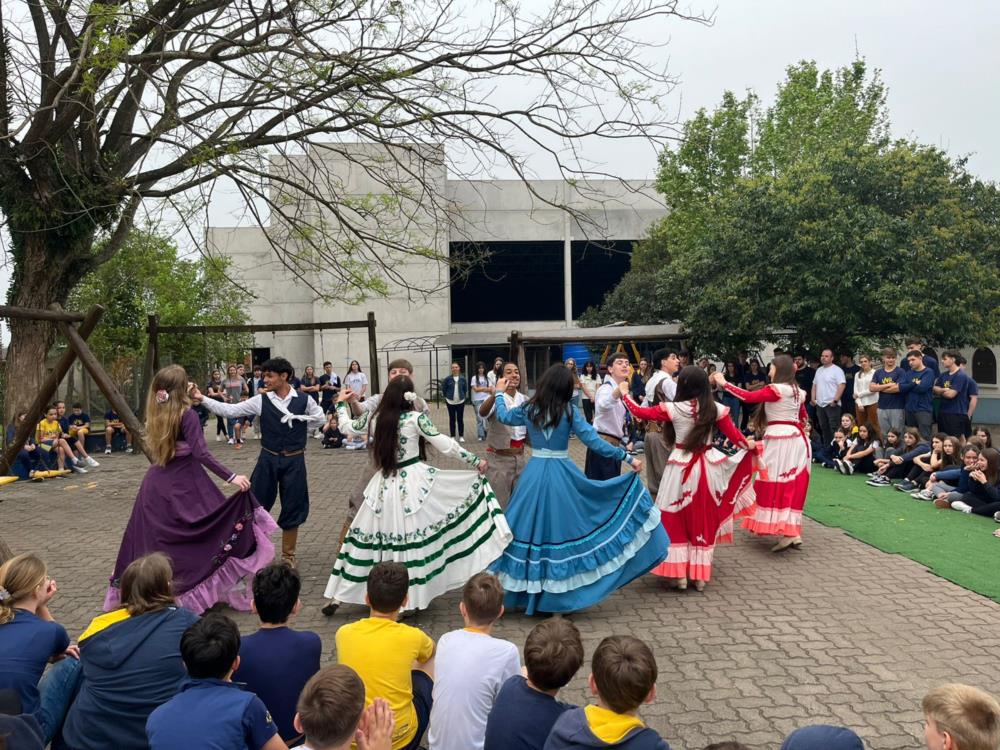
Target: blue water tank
x,y
580,353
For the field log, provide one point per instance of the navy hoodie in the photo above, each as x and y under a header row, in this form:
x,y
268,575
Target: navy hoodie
x,y
822,737
129,669
572,732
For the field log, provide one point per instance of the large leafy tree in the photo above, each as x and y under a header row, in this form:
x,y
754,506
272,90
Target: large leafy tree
x,y
148,277
106,106
807,225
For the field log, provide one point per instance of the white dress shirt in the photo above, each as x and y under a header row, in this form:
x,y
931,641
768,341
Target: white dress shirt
x,y
664,382
253,406
609,411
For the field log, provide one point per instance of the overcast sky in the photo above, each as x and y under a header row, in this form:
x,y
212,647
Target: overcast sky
x,y
940,62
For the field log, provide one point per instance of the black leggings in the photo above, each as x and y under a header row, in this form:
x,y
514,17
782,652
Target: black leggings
x,y
588,410
918,475
865,464
456,413
899,471
980,506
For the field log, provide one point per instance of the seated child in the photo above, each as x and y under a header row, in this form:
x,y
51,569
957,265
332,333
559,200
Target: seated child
x,y
837,449
981,493
395,661
210,710
276,648
623,677
113,425
898,465
469,669
860,457
30,639
526,708
960,717
332,714
923,466
849,425
951,484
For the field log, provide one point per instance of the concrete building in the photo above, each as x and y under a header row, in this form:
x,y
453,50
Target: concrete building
x,y
543,265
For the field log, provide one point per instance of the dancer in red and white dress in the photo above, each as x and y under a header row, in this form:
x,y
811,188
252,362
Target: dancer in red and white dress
x,y
701,488
782,486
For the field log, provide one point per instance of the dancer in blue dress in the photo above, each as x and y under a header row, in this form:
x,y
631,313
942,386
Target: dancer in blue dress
x,y
575,540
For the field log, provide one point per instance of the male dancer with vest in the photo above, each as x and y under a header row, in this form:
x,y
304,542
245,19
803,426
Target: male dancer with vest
x,y
285,418
659,387
609,418
505,444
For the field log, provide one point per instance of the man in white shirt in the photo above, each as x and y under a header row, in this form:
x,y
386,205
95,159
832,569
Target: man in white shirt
x,y
505,444
827,388
609,418
285,417
660,387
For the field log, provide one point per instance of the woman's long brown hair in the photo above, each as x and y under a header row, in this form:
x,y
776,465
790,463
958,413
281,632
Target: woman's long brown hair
x,y
784,372
386,417
163,421
692,385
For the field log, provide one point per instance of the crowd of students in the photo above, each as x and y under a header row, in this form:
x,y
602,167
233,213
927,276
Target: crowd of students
x,y
58,444
154,675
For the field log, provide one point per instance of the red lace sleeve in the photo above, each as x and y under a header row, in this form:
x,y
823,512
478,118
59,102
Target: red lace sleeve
x,y
803,414
727,428
649,413
766,394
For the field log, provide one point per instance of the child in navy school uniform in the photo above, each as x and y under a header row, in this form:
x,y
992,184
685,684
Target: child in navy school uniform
x,y
210,711
277,649
623,677
526,707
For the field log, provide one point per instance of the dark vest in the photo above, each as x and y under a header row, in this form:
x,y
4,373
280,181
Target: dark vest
x,y
279,437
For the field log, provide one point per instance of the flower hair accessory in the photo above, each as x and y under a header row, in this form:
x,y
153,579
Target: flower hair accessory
x,y
410,396
162,396
4,594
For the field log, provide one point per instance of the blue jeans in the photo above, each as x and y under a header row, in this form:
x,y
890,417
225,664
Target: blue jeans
x,y
56,690
231,423
481,424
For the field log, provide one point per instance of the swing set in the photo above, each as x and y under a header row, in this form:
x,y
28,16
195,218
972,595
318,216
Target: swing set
x,y
75,328
154,330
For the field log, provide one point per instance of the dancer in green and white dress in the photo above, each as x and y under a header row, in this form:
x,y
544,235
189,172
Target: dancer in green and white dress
x,y
445,526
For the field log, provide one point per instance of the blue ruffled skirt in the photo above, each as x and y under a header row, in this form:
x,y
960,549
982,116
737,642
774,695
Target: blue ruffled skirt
x,y
576,540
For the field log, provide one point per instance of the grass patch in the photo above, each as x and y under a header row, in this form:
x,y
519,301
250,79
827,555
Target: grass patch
x,y
953,545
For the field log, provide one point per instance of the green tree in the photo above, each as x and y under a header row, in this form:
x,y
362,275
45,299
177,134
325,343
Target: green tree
x,y
147,277
829,234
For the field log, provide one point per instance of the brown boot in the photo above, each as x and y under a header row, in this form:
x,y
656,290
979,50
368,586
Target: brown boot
x,y
288,539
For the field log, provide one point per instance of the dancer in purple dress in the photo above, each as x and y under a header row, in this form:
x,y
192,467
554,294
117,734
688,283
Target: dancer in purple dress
x,y
216,543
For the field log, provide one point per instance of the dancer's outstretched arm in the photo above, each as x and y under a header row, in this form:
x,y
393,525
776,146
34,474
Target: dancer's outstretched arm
x,y
512,417
350,426
767,394
194,436
727,428
589,437
649,413
447,445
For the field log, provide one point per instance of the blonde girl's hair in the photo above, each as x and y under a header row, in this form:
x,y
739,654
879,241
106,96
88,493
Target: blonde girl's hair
x,y
19,577
163,420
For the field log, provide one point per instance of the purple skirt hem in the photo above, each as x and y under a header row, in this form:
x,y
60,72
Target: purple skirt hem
x,y
225,584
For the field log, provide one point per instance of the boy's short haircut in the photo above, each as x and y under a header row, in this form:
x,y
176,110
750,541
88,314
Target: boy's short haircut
x,y
914,341
625,671
952,354
278,365
889,351
969,715
210,646
387,586
401,364
330,706
77,405
482,596
914,354
275,591
616,356
553,653
328,363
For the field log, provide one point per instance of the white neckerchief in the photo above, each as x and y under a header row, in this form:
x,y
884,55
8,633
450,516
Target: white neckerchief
x,y
287,417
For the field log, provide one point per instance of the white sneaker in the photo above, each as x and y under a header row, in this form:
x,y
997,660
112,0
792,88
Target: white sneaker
x,y
79,469
107,451
218,438
959,505
230,442
130,450
461,440
92,463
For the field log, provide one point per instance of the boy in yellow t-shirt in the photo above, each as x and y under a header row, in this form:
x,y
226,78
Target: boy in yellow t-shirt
x,y
395,661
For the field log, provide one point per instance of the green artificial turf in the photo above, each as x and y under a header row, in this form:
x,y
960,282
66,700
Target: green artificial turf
x,y
953,545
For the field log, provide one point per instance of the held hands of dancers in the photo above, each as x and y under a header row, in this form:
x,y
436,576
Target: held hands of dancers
x,y
636,464
241,481
344,394
194,393
482,466
718,379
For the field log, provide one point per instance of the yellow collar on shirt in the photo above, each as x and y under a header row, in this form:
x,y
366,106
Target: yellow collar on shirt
x,y
608,726
104,621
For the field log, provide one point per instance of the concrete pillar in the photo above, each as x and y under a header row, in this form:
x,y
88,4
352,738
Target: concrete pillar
x,y
567,259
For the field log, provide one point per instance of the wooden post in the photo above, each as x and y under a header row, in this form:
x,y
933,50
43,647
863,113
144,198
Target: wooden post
x,y
152,363
517,355
373,355
107,386
47,392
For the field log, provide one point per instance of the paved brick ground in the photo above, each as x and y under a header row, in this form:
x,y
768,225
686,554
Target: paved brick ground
x,y
838,632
